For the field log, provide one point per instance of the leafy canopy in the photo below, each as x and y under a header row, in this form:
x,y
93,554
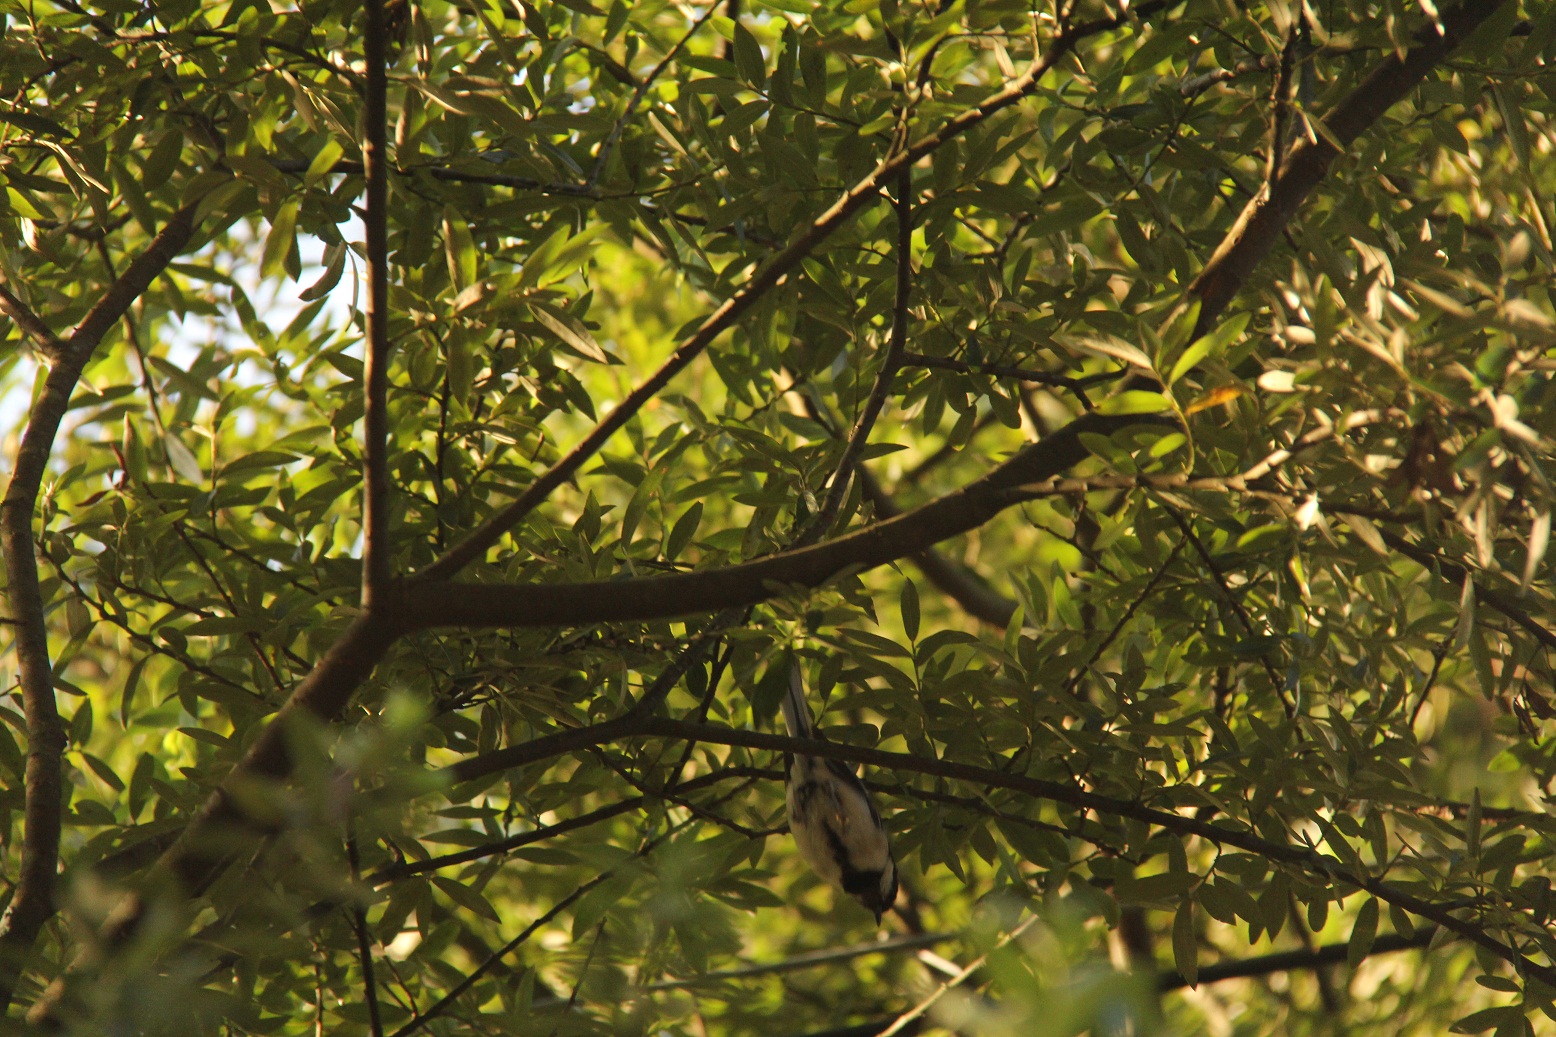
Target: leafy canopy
x,y
1136,420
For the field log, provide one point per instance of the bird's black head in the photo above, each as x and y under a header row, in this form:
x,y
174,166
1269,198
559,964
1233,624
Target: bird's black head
x,y
876,890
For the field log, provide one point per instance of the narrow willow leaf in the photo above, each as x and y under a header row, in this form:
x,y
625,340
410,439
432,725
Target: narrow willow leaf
x,y
1185,942
573,335
749,62
684,529
1363,933
182,459
908,603
335,263
281,241
1539,540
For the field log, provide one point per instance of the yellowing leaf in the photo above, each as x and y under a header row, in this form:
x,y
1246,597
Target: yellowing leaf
x,y
1214,398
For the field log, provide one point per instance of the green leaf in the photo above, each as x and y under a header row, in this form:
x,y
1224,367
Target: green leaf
x,y
682,532
908,604
749,62
103,771
323,162
1185,942
465,897
1491,1019
335,264
572,334
281,242
464,264
1206,346
1135,401
1363,933
1513,121
33,123
1153,889
131,685
182,459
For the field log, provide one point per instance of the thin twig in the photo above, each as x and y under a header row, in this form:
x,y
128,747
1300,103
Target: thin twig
x,y
928,1002
1123,621
609,146
1280,105
1276,684
405,869
807,960
43,338
444,1003
842,475
359,923
447,1001
1023,374
1438,654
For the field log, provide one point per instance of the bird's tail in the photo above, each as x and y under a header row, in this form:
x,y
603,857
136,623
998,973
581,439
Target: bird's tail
x,y
796,714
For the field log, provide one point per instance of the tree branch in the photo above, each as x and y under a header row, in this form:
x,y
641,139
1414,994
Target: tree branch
x,y
32,904
1024,374
1288,961
43,338
494,605
1264,219
1031,473
1503,603
396,872
1324,866
1327,867
375,376
210,839
860,434
358,913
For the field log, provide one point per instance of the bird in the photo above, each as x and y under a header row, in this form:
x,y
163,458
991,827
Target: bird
x,y
833,820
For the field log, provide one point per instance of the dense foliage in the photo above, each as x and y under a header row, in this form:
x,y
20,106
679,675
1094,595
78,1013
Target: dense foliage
x,y
434,429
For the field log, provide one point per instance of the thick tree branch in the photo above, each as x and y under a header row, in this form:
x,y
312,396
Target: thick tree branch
x,y
492,605
1263,221
32,904
767,277
375,376
116,301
